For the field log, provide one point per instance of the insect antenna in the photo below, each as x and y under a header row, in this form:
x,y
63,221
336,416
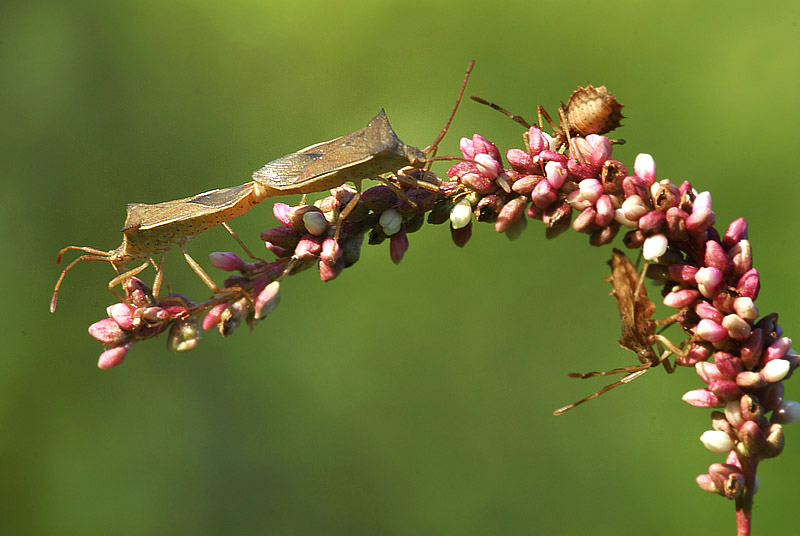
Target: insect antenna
x,y
435,145
517,118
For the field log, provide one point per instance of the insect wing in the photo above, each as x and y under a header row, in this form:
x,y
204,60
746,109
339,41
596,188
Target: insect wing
x,y
145,217
338,155
635,310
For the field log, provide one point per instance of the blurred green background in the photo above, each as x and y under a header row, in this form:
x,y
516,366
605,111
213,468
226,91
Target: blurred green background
x,y
410,399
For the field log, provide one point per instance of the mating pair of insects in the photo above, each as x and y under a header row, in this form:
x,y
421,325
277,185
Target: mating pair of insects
x,y
150,230
370,152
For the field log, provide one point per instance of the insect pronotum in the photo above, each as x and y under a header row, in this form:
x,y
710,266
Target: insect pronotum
x,y
366,153
638,329
151,230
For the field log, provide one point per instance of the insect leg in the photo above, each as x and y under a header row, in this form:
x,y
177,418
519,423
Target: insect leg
x,y
347,210
159,275
103,257
199,270
627,379
124,277
239,240
541,112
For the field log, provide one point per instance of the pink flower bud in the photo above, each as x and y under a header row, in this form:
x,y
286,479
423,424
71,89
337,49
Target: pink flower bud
x,y
645,168
700,221
525,184
510,213
703,398
634,208
716,441
787,412
585,221
281,211
328,272
716,257
556,174
213,316
709,372
635,186
708,280
749,284
752,348
777,350
710,331
726,389
752,381
113,356
459,169
696,353
738,328
752,437
736,232
728,364
683,273
652,221
654,247
676,224
547,156
741,257
706,483
605,211
282,236
543,195
488,167
279,251
520,161
775,370
398,245
268,299
226,260
591,190
467,148
379,198
482,146
331,251
108,332
478,184
537,141
461,236
121,314
604,235
681,298
390,221
600,150
308,246
706,310
745,308
581,170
